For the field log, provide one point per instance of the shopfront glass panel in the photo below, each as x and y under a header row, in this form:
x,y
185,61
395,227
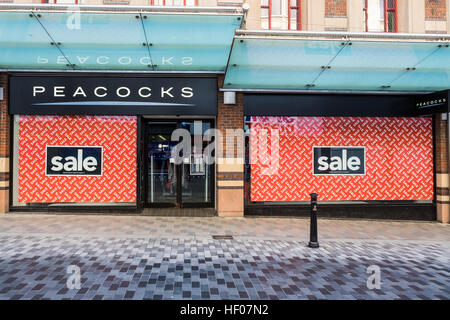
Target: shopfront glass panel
x,y
341,158
74,160
187,180
196,187
162,172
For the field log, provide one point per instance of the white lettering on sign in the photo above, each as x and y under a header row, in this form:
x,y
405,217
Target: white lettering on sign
x,y
164,92
79,91
123,89
338,163
328,160
121,92
58,91
98,94
186,92
74,164
141,92
38,89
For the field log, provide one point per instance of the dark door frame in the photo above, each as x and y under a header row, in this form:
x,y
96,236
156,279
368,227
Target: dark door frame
x,y
143,174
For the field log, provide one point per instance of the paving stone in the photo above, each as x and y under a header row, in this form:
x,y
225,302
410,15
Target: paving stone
x,y
117,263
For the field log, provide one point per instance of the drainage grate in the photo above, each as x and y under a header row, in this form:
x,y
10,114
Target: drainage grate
x,y
222,237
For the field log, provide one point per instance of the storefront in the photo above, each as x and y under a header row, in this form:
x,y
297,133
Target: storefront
x,y
340,115
370,162
93,120
92,96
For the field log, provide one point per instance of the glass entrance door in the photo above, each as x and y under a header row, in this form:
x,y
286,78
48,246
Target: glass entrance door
x,y
197,184
161,174
187,184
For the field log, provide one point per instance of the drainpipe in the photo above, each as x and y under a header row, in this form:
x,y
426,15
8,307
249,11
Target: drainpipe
x,y
245,8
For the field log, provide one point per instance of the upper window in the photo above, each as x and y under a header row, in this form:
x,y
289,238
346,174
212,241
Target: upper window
x,y
280,14
380,15
435,10
335,8
61,1
174,2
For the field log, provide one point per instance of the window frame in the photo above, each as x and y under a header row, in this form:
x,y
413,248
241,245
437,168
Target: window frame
x,y
290,8
152,2
386,20
55,2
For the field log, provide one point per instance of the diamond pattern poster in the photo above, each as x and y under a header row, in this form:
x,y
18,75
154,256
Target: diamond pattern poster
x,y
398,158
115,134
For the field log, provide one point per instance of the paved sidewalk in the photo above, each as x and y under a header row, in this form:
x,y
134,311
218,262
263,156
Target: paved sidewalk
x,y
195,227
132,257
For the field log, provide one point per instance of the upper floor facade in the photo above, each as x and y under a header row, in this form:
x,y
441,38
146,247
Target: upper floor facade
x,y
402,16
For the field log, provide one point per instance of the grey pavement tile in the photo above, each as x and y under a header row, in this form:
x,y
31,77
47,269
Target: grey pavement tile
x,y
33,265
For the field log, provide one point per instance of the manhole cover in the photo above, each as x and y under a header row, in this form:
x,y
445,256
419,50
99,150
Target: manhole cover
x,y
222,237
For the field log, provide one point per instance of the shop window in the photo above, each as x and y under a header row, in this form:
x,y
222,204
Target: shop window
x,y
435,10
174,2
61,1
280,15
380,15
335,8
340,158
74,160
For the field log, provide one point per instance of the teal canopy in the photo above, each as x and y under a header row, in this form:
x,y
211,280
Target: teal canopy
x,y
80,40
206,39
334,64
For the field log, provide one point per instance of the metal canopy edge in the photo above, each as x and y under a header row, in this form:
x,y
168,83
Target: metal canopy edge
x,y
120,8
337,35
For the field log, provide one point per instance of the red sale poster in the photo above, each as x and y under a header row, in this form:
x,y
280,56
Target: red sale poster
x,y
112,137
397,157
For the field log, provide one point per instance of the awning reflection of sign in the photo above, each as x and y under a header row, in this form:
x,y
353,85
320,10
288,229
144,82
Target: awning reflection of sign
x,y
436,102
40,38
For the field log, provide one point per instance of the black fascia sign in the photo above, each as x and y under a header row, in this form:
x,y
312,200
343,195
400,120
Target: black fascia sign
x,y
94,95
431,103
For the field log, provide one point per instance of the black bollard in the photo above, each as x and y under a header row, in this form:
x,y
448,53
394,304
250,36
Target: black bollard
x,y
313,242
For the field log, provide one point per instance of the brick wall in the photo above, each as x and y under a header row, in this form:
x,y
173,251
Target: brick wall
x,y
335,8
441,144
230,117
4,145
4,117
435,9
441,162
230,170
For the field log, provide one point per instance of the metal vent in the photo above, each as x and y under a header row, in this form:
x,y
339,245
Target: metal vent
x,y
222,237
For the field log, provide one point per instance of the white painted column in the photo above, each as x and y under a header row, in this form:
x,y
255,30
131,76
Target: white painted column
x,y
355,16
313,15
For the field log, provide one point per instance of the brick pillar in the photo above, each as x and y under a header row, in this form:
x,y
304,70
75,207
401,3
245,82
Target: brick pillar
x,y
335,8
230,169
442,177
4,145
435,9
